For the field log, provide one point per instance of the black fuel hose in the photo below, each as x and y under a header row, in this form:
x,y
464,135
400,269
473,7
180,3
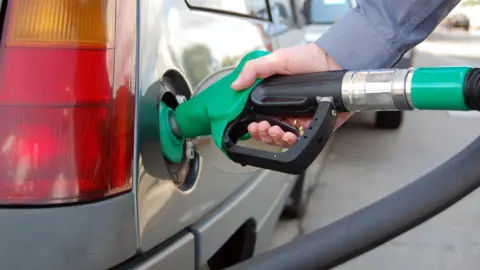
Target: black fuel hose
x,y
379,222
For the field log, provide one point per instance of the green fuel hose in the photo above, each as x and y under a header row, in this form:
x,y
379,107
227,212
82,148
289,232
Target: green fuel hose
x,y
447,88
424,88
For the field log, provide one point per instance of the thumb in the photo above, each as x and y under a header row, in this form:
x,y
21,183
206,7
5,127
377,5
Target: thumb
x,y
245,79
262,67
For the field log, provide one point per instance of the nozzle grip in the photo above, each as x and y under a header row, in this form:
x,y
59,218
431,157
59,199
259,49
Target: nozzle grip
x,y
294,160
297,94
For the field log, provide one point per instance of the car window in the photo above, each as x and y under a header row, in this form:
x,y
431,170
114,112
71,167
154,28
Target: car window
x,y
282,17
252,8
282,12
326,11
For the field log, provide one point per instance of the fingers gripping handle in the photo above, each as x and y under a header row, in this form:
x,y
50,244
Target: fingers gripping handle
x,y
317,94
294,160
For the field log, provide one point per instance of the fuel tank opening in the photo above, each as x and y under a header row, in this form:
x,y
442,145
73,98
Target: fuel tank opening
x,y
181,160
172,145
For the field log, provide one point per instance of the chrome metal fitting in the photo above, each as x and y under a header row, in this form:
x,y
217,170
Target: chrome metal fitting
x,y
377,90
180,99
190,150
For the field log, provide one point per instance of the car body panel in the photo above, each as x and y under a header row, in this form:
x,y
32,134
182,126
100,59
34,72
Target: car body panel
x,y
178,254
175,37
90,236
213,229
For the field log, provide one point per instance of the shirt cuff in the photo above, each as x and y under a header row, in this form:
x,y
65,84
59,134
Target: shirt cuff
x,y
355,44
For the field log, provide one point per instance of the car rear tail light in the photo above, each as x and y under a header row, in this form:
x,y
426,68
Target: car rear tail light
x,y
66,100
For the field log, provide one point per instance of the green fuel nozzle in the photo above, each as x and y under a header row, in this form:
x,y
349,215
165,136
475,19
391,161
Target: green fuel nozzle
x,y
225,114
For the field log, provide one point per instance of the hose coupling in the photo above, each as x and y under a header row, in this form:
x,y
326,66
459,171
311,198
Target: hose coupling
x,y
377,90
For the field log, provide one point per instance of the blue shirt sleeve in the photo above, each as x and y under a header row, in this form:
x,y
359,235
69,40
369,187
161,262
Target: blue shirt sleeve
x,y
376,33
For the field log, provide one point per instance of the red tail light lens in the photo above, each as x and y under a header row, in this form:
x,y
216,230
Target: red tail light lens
x,y
66,100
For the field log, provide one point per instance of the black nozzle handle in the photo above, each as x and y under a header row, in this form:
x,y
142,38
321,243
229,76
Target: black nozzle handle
x,y
379,222
312,94
292,161
297,95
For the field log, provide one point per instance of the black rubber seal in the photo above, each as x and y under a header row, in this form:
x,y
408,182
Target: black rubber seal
x,y
471,89
379,222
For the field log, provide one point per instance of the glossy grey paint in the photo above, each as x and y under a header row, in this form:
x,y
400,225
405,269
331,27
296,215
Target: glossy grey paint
x,y
256,200
179,255
90,236
169,31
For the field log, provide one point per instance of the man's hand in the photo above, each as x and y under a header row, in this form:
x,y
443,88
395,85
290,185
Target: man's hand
x,y
289,61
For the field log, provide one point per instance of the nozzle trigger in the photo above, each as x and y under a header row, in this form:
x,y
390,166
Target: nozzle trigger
x,y
292,161
241,124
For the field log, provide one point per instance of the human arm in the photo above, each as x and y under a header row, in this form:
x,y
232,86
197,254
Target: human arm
x,y
375,34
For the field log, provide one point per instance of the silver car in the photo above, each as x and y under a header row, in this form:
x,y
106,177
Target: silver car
x,y
83,182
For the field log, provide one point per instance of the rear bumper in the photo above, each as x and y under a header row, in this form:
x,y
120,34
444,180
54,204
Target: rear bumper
x,y
90,236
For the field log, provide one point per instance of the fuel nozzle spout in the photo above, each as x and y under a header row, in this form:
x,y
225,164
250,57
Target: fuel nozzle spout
x,y
173,126
172,143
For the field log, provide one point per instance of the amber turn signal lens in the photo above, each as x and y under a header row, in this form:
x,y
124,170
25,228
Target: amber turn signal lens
x,y
60,23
